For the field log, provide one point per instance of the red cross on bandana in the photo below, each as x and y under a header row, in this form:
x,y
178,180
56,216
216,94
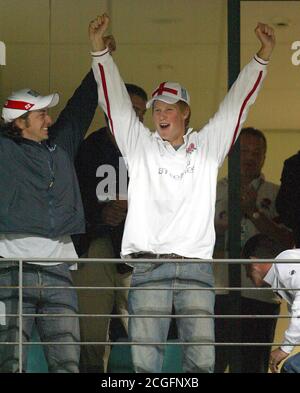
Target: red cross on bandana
x,y
162,89
22,105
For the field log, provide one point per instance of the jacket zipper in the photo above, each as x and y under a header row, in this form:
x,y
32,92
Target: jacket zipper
x,y
51,183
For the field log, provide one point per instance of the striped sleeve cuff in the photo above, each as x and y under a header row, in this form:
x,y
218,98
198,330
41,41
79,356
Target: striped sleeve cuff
x,y
100,53
261,61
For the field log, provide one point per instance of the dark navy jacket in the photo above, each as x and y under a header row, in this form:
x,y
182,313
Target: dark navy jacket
x,y
39,192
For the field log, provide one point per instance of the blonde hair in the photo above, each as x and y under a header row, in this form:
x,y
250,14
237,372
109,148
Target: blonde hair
x,y
183,106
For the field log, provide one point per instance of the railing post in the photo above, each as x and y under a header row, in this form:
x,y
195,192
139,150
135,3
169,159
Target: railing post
x,y
234,210
20,316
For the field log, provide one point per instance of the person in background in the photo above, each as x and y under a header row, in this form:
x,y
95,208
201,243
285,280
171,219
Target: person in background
x,y
259,215
285,279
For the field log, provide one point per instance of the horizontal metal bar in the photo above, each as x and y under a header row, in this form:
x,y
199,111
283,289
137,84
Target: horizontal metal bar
x,y
225,316
133,261
156,288
147,343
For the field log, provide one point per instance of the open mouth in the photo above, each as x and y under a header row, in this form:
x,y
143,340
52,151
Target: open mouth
x,y
164,126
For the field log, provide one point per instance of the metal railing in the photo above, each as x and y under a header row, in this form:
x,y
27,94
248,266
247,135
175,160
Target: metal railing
x,y
21,315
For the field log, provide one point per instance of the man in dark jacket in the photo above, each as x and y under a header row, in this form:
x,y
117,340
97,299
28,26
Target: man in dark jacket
x,y
288,197
40,209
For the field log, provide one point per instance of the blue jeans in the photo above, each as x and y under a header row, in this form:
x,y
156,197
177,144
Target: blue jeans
x,y
291,365
176,276
60,358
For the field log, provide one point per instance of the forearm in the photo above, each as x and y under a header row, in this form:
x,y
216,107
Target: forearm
x,y
98,45
73,122
292,334
265,53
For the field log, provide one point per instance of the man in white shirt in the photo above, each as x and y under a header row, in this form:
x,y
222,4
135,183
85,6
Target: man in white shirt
x,y
285,279
171,198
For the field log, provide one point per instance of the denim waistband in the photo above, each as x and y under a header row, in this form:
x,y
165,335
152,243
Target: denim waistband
x,y
150,255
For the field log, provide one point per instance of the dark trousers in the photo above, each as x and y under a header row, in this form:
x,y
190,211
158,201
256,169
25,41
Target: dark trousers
x,y
253,359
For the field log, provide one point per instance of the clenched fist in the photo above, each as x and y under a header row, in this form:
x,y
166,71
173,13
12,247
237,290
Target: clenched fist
x,y
266,36
97,29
